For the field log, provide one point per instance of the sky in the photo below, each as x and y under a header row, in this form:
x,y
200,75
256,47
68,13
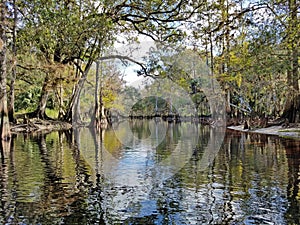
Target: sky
x,y
136,51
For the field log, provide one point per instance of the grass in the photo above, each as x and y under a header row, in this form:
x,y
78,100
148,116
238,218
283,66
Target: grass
x,y
52,113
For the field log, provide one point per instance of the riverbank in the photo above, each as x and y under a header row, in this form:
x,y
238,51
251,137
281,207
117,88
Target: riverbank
x,y
38,125
292,132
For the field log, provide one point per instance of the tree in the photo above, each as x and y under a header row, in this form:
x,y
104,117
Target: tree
x,y
108,83
292,36
56,37
274,48
75,33
253,55
4,122
11,107
60,34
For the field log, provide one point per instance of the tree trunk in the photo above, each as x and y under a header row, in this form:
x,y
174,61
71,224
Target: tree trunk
x,y
104,115
292,108
60,98
76,118
95,120
40,112
11,106
4,122
100,117
73,110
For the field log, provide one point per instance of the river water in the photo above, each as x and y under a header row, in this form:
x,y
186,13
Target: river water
x,y
150,172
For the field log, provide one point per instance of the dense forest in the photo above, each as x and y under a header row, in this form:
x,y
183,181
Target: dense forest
x,y
55,56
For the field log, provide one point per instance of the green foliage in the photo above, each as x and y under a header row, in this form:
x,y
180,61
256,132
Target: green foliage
x,y
254,57
52,113
147,107
111,85
27,99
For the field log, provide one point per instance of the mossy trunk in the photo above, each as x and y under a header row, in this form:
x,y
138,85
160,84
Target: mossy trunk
x,y
4,122
11,106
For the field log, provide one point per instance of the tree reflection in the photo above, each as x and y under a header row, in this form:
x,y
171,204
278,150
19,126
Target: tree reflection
x,y
244,184
7,193
89,177
97,190
293,156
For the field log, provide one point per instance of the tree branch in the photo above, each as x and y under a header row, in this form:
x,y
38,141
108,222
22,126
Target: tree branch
x,y
127,58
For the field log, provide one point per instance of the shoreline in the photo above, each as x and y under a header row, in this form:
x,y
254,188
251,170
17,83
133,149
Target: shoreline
x,y
38,125
292,132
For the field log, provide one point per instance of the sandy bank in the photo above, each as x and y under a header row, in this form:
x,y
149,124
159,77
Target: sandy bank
x,y
273,130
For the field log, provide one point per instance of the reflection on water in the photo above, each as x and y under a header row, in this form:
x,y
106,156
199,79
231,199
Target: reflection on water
x,y
146,172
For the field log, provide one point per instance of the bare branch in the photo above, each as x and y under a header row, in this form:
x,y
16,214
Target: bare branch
x,y
127,58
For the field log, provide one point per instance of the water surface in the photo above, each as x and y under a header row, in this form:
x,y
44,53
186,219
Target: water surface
x,y
147,172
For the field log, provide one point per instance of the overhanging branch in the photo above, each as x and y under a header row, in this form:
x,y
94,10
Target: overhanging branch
x,y
127,58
